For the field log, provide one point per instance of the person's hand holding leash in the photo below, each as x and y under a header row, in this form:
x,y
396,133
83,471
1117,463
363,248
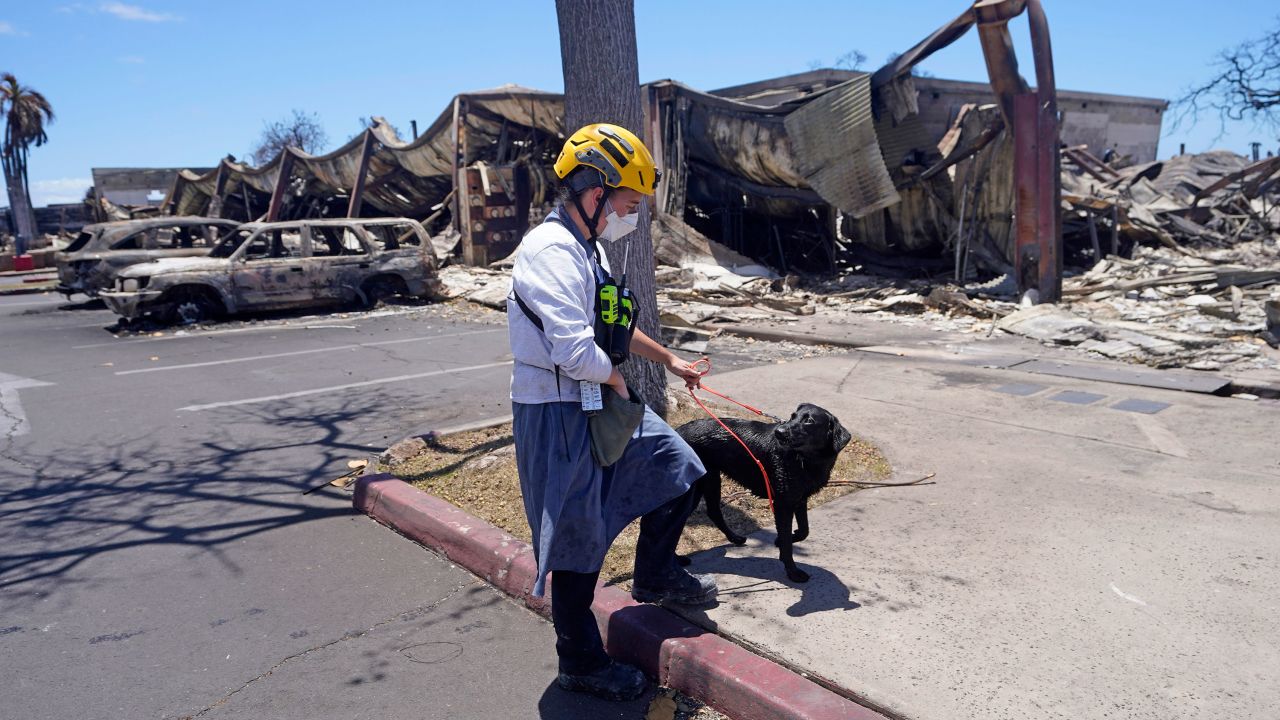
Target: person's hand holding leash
x,y
646,348
686,370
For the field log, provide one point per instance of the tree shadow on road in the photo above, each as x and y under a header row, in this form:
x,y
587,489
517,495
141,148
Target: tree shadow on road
x,y
93,498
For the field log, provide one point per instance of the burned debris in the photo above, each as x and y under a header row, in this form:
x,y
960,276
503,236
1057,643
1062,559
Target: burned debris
x,y
960,205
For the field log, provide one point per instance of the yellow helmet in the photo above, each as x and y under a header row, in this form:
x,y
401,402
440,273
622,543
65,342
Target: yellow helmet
x,y
621,158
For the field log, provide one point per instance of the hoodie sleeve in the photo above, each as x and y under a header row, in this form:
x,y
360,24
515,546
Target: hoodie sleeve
x,y
555,289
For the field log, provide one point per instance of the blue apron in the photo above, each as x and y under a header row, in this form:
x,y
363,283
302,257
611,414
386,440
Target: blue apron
x,y
575,507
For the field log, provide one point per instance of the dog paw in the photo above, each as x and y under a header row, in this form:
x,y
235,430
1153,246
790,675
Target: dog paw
x,y
798,536
737,539
795,574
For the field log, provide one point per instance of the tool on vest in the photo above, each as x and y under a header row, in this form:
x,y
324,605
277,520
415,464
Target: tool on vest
x,y
616,317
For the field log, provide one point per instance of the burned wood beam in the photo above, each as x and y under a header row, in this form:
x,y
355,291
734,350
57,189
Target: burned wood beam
x,y
219,189
1266,167
1085,165
962,153
362,171
460,223
1093,237
281,186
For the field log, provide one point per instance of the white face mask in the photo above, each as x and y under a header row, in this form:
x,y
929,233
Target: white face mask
x,y
619,226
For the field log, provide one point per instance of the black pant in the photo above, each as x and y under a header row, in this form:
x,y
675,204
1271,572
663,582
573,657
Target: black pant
x,y
578,640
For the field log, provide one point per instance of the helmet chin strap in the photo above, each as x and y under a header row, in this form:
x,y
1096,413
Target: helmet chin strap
x,y
595,217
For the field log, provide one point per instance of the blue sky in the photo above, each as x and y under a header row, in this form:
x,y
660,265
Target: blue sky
x,y
160,83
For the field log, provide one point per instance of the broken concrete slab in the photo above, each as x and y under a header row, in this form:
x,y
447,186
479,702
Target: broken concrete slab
x,y
1051,324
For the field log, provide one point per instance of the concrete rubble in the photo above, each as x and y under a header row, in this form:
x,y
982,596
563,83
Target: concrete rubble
x,y
1196,301
1188,294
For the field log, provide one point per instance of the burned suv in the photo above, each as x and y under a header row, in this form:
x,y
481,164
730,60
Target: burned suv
x,y
90,263
270,266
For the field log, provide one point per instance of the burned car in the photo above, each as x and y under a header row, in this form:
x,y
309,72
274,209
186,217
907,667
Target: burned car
x,y
272,266
90,263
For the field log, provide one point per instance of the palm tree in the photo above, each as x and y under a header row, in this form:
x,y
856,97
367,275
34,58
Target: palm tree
x,y
26,112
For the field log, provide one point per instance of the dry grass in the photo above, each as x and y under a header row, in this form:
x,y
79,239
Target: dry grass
x,y
477,472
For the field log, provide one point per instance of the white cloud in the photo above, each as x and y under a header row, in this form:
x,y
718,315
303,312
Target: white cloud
x,y
7,29
132,60
62,190
134,12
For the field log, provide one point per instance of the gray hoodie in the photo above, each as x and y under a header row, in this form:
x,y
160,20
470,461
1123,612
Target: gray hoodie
x,y
556,277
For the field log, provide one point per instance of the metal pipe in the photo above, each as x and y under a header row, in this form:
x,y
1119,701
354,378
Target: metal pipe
x,y
1026,247
997,49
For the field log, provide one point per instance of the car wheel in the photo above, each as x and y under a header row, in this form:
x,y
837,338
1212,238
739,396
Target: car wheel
x,y
193,307
381,289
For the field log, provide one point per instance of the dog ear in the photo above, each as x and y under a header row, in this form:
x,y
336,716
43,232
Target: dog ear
x,y
839,436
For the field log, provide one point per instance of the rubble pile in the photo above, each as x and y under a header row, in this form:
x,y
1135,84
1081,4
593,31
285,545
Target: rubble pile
x,y
1168,309
1183,272
1187,203
484,286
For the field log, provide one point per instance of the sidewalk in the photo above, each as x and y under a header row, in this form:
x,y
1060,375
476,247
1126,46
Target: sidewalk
x,y
1090,549
22,282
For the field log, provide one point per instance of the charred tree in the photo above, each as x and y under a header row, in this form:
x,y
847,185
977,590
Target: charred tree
x,y
602,84
301,130
1246,86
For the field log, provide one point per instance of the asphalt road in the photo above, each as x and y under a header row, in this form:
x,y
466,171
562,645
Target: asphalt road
x,y
159,560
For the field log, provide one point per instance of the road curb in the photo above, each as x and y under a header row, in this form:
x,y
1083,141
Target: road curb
x,y
680,655
31,289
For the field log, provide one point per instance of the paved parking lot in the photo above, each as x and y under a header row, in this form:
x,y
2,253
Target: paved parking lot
x,y
160,559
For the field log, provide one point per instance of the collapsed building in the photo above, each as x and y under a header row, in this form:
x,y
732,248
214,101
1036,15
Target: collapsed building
x,y
733,171
843,178
849,177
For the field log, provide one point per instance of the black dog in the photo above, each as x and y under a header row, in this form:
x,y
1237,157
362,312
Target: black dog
x,y
798,454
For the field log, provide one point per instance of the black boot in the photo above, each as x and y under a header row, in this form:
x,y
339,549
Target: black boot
x,y
680,587
614,681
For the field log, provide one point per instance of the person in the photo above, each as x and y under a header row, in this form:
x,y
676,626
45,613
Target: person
x,y
575,507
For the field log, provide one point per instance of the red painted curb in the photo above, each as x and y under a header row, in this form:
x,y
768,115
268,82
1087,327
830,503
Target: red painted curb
x,y
680,655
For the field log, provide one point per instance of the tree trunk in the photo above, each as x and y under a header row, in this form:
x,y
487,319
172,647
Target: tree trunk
x,y
19,207
602,84
28,208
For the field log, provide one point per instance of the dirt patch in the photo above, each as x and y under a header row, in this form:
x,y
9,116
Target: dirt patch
x,y
477,472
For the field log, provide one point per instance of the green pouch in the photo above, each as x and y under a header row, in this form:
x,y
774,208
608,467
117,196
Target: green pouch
x,y
612,427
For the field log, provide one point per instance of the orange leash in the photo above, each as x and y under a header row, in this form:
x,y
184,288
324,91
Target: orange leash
x,y
768,486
